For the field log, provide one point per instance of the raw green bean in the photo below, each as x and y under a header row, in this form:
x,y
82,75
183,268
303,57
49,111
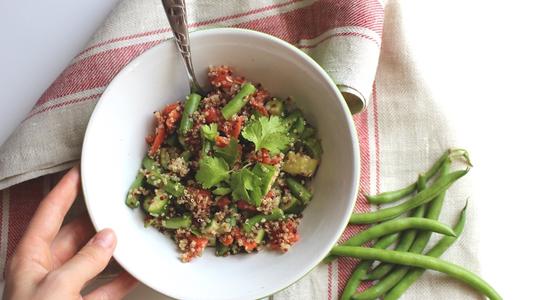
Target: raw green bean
x,y
276,214
440,185
394,226
423,237
433,213
406,240
420,261
190,107
298,190
437,250
363,267
237,102
392,196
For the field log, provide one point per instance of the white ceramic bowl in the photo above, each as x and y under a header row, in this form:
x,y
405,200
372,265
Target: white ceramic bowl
x,y
114,147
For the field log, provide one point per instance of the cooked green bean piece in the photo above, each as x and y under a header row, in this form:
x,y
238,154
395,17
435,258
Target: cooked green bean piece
x,y
406,240
394,226
237,102
276,214
362,268
437,250
440,185
186,155
190,107
149,164
313,147
132,199
419,261
177,222
309,131
392,196
298,190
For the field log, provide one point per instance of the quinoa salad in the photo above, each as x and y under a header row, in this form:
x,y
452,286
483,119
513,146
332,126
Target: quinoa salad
x,y
228,170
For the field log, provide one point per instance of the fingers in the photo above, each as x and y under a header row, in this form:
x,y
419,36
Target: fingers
x,y
70,239
86,264
116,289
52,210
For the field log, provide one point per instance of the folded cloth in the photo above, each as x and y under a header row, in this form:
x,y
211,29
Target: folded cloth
x,y
342,36
400,133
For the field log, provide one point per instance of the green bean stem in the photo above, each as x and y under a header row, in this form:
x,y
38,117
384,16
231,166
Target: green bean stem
x,y
237,102
420,261
437,250
362,268
394,226
440,185
190,107
393,196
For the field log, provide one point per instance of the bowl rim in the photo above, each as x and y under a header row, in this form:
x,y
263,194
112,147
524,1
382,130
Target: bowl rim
x,y
232,31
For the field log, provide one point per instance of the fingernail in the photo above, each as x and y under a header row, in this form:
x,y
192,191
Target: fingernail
x,y
104,238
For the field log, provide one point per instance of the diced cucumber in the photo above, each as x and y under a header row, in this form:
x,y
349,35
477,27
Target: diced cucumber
x,y
177,222
211,241
260,236
268,175
157,205
300,164
212,227
164,157
275,107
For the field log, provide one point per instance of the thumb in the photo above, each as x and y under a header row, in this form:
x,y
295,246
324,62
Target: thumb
x,y
88,262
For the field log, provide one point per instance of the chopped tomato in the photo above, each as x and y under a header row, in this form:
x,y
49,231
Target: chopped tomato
x,y
222,141
172,118
211,115
150,139
227,240
258,101
236,127
264,157
249,245
158,140
223,201
243,205
170,108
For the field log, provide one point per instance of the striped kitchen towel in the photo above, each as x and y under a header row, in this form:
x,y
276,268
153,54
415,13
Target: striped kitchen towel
x,y
399,134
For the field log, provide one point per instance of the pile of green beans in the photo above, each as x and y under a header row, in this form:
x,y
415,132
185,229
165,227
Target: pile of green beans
x,y
401,267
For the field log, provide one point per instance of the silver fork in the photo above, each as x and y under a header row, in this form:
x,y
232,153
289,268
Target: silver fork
x,y
177,15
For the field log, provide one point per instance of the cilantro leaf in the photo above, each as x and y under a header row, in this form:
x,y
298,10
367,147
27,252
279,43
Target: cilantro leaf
x,y
212,170
246,186
229,153
267,132
209,132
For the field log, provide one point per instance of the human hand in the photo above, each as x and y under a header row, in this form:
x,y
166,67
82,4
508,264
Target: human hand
x,y
51,262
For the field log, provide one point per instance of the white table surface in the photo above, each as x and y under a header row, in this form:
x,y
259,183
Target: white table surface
x,y
39,39
481,60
